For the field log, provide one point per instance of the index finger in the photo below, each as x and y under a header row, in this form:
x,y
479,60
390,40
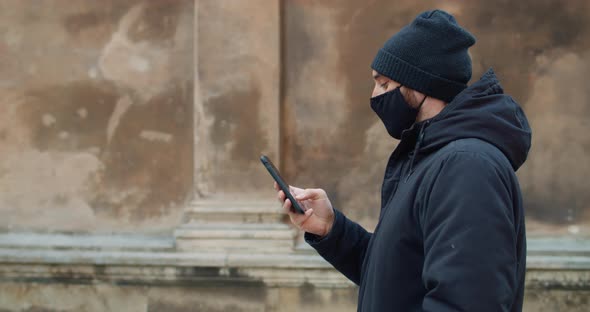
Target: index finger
x,y
295,190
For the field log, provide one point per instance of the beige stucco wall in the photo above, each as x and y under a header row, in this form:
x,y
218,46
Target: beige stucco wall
x,y
95,114
99,105
539,50
237,98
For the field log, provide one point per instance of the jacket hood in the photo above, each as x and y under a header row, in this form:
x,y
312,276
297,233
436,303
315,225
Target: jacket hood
x,y
484,112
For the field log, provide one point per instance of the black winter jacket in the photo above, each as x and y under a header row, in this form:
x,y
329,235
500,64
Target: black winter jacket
x,y
451,232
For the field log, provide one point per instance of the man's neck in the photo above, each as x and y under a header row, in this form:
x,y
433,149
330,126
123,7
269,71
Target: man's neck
x,y
430,108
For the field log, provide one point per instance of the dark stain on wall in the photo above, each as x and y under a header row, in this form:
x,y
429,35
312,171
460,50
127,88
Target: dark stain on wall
x,y
362,27
75,23
253,298
158,20
556,210
365,28
513,37
298,49
96,25
309,295
157,172
236,119
349,295
161,166
55,115
197,306
307,164
300,46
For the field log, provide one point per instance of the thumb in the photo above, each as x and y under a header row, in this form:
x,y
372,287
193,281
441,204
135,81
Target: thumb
x,y
307,216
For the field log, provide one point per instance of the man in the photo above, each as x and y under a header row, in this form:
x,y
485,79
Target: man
x,y
451,232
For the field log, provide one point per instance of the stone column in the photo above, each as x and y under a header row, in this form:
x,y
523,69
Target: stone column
x,y
237,80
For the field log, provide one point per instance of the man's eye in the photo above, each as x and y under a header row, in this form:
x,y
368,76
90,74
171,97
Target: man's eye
x,y
384,86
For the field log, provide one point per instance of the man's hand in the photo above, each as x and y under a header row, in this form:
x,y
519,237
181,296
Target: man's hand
x,y
319,214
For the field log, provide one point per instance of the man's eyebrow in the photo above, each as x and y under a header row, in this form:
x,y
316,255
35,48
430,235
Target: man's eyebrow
x,y
376,76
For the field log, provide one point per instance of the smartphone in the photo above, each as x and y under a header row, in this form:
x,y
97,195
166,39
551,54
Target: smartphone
x,y
274,172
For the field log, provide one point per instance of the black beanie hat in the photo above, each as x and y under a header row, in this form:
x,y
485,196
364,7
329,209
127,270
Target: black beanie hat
x,y
429,56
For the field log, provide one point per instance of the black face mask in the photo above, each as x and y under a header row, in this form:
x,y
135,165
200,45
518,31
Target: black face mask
x,y
397,115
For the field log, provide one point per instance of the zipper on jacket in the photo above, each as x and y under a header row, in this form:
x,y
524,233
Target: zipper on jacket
x,y
416,148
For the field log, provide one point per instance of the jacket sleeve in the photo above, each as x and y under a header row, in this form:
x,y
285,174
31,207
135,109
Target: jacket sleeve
x,y
344,247
469,237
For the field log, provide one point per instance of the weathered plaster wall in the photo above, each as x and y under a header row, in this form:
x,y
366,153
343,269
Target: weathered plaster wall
x,y
95,114
97,104
539,50
237,98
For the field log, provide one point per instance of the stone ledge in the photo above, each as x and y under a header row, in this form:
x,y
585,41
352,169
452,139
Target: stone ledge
x,y
237,232
248,226
558,262
204,211
127,260
235,237
140,258
558,253
559,246
180,259
172,275
168,268
123,275
558,279
44,260
86,241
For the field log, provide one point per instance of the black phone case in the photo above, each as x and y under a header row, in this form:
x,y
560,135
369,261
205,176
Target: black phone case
x,y
274,172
